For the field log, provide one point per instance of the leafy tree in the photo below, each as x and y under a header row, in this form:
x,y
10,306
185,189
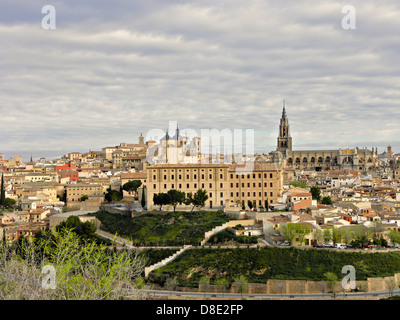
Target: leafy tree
x,y
243,206
394,237
250,204
84,197
197,200
242,283
336,235
9,203
171,283
301,231
161,199
205,282
176,197
299,184
326,200
332,280
82,271
113,195
316,193
86,230
223,284
327,234
132,186
288,232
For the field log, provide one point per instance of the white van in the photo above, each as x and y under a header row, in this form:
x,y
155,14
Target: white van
x,y
340,246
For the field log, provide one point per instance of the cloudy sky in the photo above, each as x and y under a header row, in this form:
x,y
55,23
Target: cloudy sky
x,y
113,69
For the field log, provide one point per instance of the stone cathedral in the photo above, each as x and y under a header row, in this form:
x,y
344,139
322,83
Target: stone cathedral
x,y
354,159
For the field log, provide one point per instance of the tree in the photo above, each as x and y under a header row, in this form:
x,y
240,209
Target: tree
x,y
9,203
336,235
250,204
301,231
171,284
241,283
161,199
143,202
316,193
204,282
197,200
176,197
80,271
243,206
84,197
2,192
331,280
318,236
299,184
132,186
113,195
288,232
327,234
326,200
394,237
223,284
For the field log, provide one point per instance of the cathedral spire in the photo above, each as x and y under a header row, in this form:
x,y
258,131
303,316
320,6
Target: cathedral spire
x,y
284,111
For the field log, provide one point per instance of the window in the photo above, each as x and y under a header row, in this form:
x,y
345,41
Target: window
x,y
154,186
221,185
271,184
210,194
270,175
154,177
221,194
210,185
172,177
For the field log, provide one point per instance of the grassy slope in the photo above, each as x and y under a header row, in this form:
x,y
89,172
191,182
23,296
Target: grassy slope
x,y
259,265
168,229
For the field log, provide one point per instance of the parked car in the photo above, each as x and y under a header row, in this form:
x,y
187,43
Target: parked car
x,y
367,246
285,244
328,245
349,246
318,246
340,246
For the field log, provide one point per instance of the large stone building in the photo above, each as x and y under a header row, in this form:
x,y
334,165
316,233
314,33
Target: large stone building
x,y
224,183
354,159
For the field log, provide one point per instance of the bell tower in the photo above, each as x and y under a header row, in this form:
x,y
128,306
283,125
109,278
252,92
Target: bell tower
x,y
284,139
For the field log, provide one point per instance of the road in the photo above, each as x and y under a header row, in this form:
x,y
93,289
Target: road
x,y
196,295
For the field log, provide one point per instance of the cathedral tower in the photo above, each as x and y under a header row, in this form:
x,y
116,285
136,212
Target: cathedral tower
x,y
284,138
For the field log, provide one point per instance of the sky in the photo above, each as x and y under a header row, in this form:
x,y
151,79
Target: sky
x,y
112,70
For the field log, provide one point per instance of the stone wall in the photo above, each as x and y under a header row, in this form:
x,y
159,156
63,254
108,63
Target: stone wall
x,y
274,286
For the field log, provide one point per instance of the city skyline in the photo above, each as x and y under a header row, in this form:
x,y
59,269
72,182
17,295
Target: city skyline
x,y
111,71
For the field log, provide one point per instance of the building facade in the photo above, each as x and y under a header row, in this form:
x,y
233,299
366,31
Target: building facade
x,y
318,160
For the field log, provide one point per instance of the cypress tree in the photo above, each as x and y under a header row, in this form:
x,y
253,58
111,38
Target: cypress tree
x,y
2,192
143,203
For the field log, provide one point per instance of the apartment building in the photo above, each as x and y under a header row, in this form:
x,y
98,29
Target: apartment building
x,y
76,191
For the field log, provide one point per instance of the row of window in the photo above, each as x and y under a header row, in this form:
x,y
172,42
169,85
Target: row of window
x,y
210,176
221,185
